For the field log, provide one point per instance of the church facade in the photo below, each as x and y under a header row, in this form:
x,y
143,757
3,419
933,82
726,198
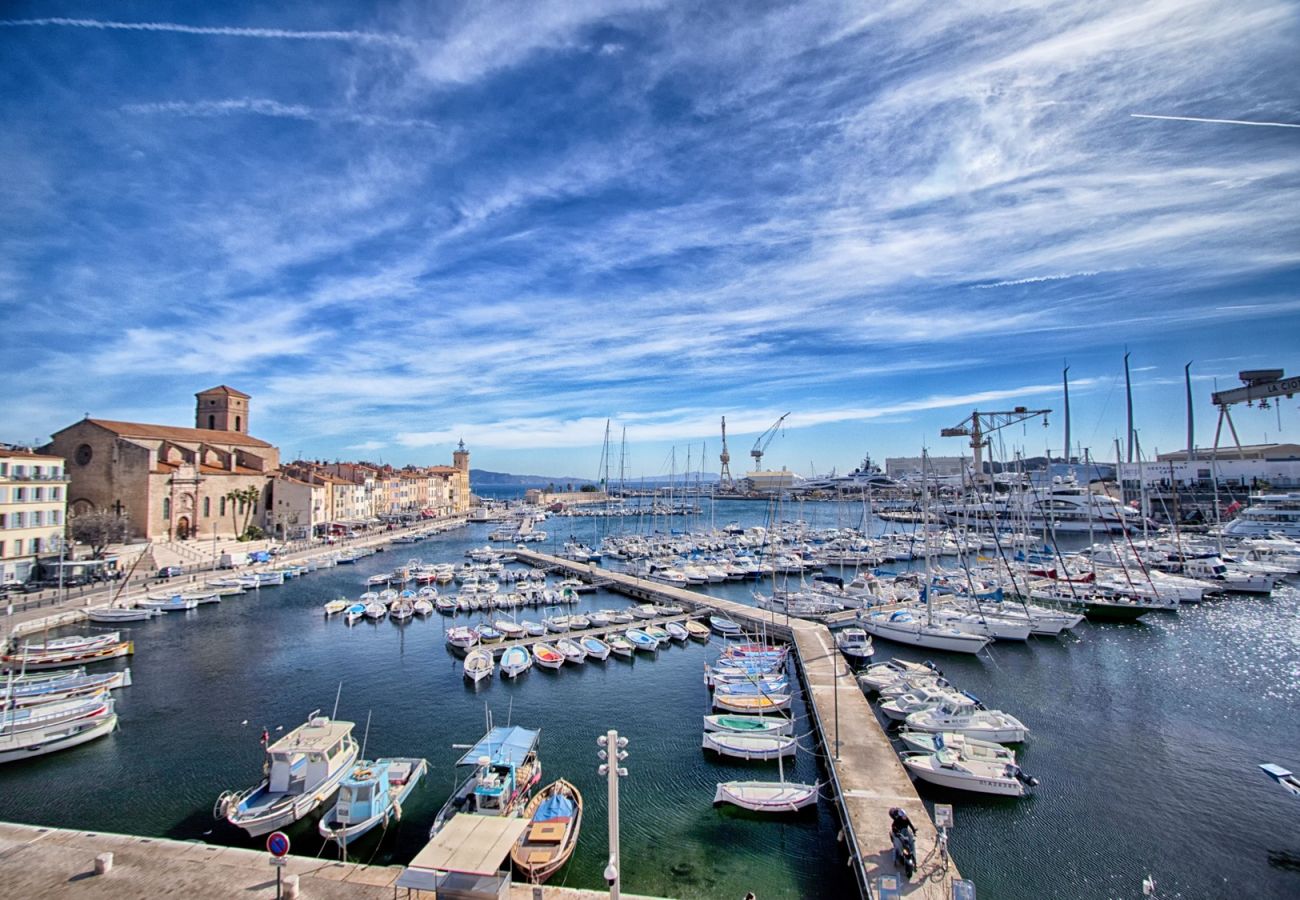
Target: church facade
x,y
173,483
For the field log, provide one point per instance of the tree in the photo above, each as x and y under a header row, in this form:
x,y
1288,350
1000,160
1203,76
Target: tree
x,y
97,529
243,501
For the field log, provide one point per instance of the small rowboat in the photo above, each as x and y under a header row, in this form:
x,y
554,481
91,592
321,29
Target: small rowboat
x,y
749,724
556,817
515,661
724,626
767,796
619,645
696,630
509,629
557,624
642,641
658,634
489,635
595,647
547,656
334,607
74,658
533,629
479,665
462,637
571,650
756,703
749,746
676,632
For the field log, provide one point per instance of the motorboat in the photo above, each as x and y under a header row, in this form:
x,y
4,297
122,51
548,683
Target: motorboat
x,y
968,747
304,769
547,656
73,643
371,794
950,769
644,611
970,720
554,820
505,769
918,698
168,604
749,724
60,733
594,647
579,622
515,661
879,675
641,641
479,664
571,650
749,746
599,618
855,644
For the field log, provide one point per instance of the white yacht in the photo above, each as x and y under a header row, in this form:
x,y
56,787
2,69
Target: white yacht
x,y
1268,514
1064,505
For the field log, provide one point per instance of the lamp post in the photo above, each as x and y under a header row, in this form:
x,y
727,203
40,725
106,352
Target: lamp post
x,y
835,685
611,754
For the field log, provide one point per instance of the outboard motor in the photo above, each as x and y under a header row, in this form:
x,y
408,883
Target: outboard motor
x,y
1019,775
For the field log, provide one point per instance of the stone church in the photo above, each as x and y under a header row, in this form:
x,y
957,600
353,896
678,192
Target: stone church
x,y
173,483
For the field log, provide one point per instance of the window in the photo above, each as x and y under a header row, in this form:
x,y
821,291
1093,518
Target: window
x,y
2,549
16,520
167,507
212,423
207,507
38,493
20,494
237,423
56,517
56,493
37,518
223,506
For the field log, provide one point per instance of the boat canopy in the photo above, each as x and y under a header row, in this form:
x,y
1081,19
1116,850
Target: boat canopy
x,y
503,745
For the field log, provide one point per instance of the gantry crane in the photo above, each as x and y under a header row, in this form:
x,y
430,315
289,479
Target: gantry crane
x,y
760,445
979,425
1261,385
724,477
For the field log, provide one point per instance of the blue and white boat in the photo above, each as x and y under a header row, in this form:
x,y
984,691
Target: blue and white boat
x,y
29,690
515,661
305,768
642,641
354,612
724,626
506,769
371,794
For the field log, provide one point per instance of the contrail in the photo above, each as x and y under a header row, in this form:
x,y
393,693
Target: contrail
x,y
355,37
1215,121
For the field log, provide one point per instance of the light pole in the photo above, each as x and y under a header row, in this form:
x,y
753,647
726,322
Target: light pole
x,y
835,685
611,754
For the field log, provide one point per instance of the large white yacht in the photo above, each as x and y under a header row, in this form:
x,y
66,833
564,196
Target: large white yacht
x,y
1268,514
866,476
1064,505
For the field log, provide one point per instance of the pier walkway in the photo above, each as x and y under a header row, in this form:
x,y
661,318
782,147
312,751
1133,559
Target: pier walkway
x,y
866,778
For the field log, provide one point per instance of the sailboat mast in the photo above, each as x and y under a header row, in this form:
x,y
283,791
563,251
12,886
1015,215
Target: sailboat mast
x,y
1191,441
1128,393
1065,377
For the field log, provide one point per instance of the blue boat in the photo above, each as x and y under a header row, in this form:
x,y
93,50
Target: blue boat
x,y
370,795
506,768
753,688
354,612
642,641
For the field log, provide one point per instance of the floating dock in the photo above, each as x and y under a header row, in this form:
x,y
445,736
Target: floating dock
x,y
866,777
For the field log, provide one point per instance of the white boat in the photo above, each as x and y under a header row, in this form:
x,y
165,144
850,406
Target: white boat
x,y
919,698
949,769
304,769
594,647
902,627
73,643
462,637
375,609
644,611
547,656
515,661
111,615
422,607
334,607
677,632
479,664
749,746
168,604
557,624
970,720
571,650
533,629
855,644
618,617
20,745
766,796
619,645
967,747
510,630
370,795
724,626
1268,515
33,690
749,724
354,612
401,610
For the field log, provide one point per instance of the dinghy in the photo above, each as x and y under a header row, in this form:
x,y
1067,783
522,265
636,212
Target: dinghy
x,y
595,647
555,818
334,607
515,661
749,724
479,664
547,656
619,645
724,626
354,612
641,641
752,703
749,746
571,651
697,631
676,632
658,634
462,637
767,796
533,629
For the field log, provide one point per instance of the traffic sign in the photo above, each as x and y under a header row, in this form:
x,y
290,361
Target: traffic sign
x,y
277,843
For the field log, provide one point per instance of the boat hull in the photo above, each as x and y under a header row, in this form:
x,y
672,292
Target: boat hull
x,y
766,796
67,735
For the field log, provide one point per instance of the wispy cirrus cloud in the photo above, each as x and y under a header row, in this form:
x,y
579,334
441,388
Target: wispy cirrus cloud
x,y
351,37
258,106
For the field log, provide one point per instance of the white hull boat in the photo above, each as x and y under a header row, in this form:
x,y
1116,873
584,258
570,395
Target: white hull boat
x,y
902,628
749,746
479,664
948,769
749,724
515,661
15,746
111,615
766,796
985,724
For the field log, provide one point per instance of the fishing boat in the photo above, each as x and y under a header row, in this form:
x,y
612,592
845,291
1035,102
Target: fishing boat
x,y
375,609
547,656
724,626
748,746
950,769
594,647
855,644
578,622
970,720
401,611
571,650
555,818
32,690
509,630
26,659
533,629
479,664
506,768
599,618
370,795
58,735
30,718
168,604
488,635
462,637
696,630
644,611
334,607
751,703
619,645
749,724
641,641
112,615
619,617
422,607
676,632
305,768
767,796
73,643
354,612
515,661
879,675
967,747
658,634
557,624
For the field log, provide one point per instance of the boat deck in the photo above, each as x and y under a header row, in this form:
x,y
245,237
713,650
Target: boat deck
x,y
866,777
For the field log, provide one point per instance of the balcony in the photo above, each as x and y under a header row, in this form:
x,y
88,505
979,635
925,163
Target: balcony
x,y
61,477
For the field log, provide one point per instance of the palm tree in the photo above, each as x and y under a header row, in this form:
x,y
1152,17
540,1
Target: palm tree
x,y
245,499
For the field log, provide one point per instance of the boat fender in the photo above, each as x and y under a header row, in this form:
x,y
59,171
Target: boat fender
x,y
397,809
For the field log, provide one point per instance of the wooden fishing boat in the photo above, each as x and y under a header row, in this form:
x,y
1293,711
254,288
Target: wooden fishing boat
x,y
546,655
696,630
32,661
755,703
479,664
555,815
749,724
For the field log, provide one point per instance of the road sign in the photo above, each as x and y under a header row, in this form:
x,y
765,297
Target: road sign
x,y
277,843
942,815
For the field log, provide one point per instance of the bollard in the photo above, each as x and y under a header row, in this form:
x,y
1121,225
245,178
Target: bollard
x,y
290,887
103,863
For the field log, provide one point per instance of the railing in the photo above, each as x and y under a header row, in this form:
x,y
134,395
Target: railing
x,y
42,477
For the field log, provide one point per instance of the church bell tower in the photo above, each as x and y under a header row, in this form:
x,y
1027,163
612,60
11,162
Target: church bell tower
x,y
221,409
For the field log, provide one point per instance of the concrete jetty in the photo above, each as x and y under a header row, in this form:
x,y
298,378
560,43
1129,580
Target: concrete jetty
x,y
866,777
59,864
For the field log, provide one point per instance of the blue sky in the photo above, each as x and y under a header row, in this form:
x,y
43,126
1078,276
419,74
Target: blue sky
x,y
400,225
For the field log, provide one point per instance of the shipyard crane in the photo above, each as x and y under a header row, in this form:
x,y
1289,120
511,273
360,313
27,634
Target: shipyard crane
x,y
979,425
724,477
764,439
1261,385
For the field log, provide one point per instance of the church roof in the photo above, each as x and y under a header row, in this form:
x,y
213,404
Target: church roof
x,y
224,389
172,433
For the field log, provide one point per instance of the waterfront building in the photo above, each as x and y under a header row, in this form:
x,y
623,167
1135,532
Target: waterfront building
x,y
771,482
1191,482
33,507
173,483
298,508
908,468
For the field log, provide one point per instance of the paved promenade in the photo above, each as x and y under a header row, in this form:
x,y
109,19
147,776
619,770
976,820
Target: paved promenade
x,y
866,778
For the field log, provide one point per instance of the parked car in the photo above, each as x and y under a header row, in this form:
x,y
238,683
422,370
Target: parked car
x,y
169,571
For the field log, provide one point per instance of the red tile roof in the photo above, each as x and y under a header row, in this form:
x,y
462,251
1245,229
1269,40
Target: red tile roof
x,y
28,454
172,433
223,389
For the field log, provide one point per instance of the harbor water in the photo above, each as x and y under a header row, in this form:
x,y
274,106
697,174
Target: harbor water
x,y
1146,739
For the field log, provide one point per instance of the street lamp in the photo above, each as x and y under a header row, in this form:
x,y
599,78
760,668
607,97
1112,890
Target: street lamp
x,y
835,654
612,746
